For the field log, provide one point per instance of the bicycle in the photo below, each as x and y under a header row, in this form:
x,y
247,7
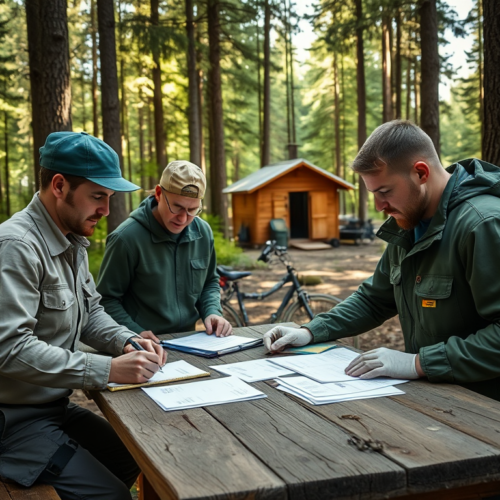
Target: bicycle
x,y
300,310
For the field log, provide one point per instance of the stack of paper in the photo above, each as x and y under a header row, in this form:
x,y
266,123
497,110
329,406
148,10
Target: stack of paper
x,y
319,394
207,393
210,346
253,371
171,372
326,367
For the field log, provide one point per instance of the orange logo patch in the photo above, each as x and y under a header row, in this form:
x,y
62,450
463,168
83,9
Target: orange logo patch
x,y
428,303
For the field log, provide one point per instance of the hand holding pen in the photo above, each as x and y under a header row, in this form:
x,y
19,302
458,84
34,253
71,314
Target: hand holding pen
x,y
138,347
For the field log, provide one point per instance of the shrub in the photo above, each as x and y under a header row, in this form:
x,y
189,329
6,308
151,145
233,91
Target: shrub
x,y
228,253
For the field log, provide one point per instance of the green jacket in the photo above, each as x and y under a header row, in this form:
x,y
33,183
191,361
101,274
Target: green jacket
x,y
445,287
150,281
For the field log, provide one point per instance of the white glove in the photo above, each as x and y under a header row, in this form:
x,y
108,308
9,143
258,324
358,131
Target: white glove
x,y
383,362
281,336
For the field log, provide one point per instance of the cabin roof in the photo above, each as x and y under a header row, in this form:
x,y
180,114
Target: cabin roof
x,y
267,174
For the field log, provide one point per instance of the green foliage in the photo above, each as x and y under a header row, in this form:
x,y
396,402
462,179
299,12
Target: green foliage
x,y
227,252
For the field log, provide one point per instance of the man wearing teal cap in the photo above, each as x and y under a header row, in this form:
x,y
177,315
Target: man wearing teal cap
x,y
49,303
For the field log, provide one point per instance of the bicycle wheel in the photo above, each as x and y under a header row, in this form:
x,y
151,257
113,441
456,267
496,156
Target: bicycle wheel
x,y
231,315
318,302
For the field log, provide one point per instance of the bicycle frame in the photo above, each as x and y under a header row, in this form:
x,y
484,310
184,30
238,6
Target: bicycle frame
x,y
289,277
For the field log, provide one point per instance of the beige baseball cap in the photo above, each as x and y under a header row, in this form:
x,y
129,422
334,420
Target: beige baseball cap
x,y
184,178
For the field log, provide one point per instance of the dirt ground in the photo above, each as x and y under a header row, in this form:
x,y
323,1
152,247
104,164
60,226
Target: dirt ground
x,y
341,271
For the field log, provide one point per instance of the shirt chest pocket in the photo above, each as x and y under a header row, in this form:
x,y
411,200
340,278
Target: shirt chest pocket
x,y
439,312
87,295
395,280
56,311
198,275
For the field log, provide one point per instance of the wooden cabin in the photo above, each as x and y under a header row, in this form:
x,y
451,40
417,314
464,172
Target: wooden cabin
x,y
301,193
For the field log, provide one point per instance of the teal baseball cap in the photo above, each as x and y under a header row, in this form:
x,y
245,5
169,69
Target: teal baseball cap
x,y
86,156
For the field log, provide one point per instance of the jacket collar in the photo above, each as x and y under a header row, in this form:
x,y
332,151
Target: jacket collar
x,y
160,235
55,240
393,234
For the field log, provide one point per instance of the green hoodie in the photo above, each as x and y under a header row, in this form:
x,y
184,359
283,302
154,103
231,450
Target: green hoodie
x,y
445,287
150,280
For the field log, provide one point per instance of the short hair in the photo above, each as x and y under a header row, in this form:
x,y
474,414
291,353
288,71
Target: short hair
x,y
46,176
397,144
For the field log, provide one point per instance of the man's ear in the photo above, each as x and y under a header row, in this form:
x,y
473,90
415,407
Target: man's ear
x,y
158,193
422,170
57,185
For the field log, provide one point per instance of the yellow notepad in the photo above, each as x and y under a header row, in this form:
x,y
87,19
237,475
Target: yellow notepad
x,y
172,372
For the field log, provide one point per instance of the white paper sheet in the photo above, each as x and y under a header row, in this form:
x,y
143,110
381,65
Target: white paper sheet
x,y
177,369
253,371
333,390
325,367
376,393
209,342
206,393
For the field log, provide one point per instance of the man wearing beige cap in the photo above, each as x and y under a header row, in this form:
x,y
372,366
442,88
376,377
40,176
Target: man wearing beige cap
x,y
159,274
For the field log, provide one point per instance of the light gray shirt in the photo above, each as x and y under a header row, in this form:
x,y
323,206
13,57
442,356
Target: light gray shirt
x,y
48,302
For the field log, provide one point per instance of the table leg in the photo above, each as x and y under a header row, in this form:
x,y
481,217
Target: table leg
x,y
145,490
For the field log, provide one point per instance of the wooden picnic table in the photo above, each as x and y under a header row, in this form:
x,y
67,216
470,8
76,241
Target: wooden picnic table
x,y
438,441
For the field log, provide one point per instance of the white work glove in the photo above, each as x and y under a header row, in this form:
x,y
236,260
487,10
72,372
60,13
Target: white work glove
x,y
383,362
280,337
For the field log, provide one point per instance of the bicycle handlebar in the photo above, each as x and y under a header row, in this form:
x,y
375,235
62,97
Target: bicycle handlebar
x,y
271,248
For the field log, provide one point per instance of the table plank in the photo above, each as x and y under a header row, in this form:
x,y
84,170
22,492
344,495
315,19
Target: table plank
x,y
302,448
186,454
464,410
433,454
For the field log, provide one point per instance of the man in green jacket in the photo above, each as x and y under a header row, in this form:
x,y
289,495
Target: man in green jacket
x,y
439,271
159,272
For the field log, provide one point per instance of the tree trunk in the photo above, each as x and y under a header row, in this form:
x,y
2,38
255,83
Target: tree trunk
x,y
266,147
47,26
408,77
110,103
491,33
292,94
429,86
387,113
480,64
336,115
259,91
361,95
7,167
140,123
199,80
398,67
95,102
153,179
218,176
161,156
193,106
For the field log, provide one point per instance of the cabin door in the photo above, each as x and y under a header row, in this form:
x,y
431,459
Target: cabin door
x,y
318,215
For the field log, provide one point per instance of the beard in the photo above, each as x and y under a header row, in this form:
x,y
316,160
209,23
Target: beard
x,y
411,216
72,218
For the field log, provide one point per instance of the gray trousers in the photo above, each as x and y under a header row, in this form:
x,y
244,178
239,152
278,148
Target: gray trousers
x,y
100,468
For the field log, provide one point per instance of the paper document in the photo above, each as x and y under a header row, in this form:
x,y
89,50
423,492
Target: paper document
x,y
206,393
253,371
336,391
172,372
209,346
326,367
309,349
376,393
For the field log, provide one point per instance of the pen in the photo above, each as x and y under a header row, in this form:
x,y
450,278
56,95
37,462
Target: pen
x,y
138,347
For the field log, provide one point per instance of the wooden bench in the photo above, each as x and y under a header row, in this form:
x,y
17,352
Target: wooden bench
x,y
13,491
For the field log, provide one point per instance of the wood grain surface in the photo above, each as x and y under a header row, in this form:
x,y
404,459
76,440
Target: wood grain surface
x,y
436,437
